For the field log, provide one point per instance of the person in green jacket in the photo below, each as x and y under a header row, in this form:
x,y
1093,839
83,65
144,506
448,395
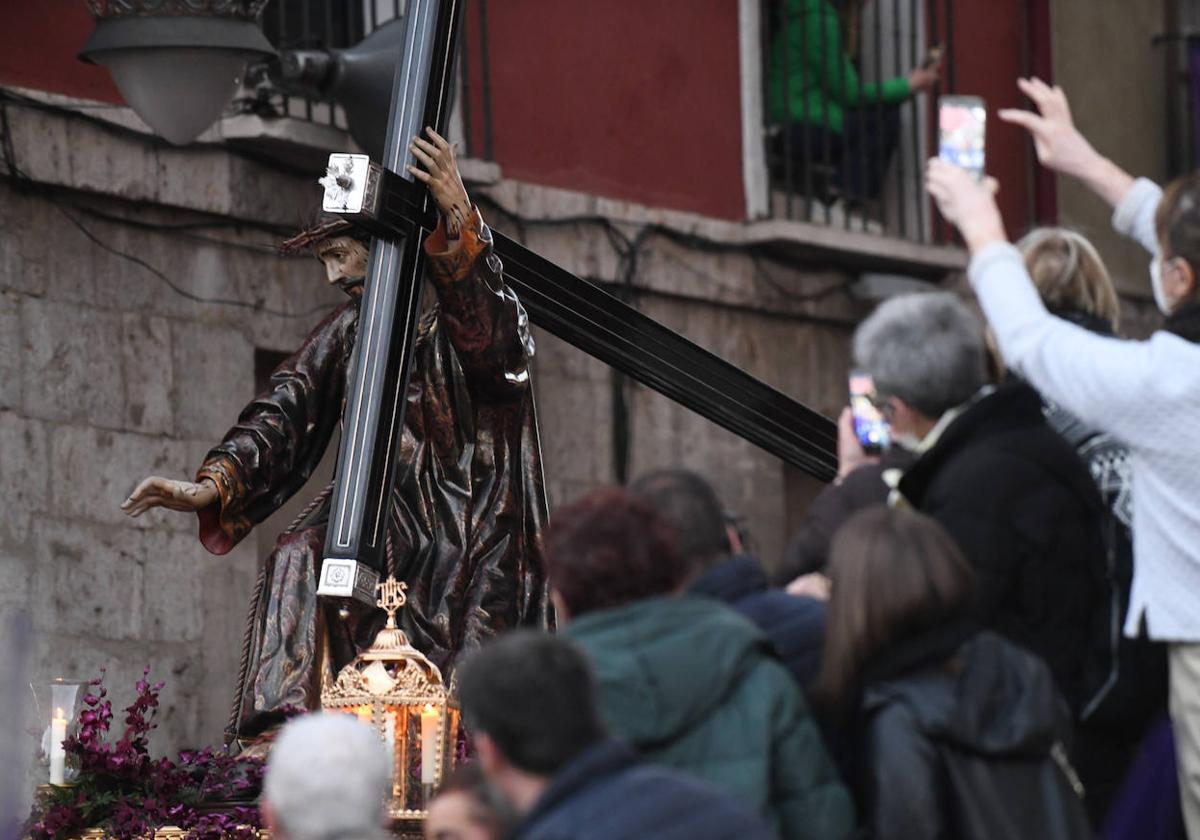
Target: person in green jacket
x,y
817,98
688,682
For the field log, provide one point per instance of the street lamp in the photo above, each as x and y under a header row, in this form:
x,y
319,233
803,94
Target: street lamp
x,y
176,62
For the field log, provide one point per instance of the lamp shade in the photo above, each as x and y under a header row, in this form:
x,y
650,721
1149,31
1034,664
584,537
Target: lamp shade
x,y
176,71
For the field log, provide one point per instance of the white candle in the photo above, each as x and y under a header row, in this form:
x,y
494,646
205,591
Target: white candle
x,y
429,744
389,731
58,755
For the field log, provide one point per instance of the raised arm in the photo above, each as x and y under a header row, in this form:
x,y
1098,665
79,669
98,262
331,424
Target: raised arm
x,y
836,71
1088,374
1061,146
479,313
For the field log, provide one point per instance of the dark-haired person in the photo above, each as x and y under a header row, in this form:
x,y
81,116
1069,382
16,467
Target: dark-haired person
x,y
1146,393
689,505
466,808
529,700
959,733
687,681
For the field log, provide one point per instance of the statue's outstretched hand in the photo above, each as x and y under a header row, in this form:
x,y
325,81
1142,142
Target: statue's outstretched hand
x,y
440,174
173,495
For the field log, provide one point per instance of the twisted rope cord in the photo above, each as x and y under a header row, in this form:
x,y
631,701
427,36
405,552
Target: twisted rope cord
x,y
235,715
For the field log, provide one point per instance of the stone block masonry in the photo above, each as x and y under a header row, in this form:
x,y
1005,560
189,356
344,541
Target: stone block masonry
x,y
107,375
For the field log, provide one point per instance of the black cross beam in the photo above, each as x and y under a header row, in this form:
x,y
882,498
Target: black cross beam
x,y
382,359
398,211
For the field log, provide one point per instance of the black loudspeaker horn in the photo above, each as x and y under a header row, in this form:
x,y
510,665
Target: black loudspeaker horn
x,y
358,78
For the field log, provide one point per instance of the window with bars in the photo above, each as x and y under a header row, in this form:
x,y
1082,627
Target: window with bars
x,y
845,143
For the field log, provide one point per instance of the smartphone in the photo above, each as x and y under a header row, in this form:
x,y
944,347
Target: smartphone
x,y
962,121
869,426
932,56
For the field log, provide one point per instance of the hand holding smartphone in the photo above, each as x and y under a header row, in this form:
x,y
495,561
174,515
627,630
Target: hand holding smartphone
x,y
869,425
962,123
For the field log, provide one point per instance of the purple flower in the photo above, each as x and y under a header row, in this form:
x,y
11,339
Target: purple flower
x,y
123,791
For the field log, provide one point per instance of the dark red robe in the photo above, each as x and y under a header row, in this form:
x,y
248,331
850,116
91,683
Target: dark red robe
x,y
467,509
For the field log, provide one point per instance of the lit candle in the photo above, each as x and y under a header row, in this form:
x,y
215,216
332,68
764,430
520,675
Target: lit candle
x,y
430,720
58,755
389,731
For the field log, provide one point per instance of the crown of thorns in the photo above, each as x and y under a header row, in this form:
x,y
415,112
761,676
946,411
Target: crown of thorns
x,y
319,232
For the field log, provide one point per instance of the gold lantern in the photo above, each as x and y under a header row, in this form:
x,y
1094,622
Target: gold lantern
x,y
395,689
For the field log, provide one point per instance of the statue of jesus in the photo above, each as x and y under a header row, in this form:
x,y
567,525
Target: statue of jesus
x,y
468,505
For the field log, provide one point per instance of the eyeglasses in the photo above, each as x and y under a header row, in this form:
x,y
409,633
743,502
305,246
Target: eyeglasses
x,y
882,404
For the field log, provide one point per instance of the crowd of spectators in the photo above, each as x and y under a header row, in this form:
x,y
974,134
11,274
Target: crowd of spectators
x,y
990,631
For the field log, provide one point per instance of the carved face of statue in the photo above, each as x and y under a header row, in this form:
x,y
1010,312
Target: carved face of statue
x,y
345,260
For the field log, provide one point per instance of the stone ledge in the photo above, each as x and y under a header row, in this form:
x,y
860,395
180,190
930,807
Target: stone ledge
x,y
791,241
73,148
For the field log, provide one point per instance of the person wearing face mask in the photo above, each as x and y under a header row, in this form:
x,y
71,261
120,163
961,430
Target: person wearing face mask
x,y
1146,393
466,510
1009,489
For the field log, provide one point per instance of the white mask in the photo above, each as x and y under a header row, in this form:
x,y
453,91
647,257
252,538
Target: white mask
x,y
1156,283
907,440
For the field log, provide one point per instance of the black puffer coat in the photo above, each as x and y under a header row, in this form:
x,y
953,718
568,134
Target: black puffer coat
x,y
1027,515
965,740
837,502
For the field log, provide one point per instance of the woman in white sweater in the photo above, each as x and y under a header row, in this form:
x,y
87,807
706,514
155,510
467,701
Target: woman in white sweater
x,y
1145,393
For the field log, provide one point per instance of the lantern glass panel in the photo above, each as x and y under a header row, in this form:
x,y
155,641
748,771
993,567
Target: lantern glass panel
x,y
58,703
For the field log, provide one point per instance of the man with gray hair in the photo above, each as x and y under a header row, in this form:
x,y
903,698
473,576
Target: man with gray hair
x,y
327,779
1011,491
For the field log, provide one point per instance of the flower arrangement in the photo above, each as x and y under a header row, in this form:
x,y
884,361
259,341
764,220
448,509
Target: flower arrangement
x,y
123,791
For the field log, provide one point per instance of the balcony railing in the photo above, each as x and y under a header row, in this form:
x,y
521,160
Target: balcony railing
x,y
844,146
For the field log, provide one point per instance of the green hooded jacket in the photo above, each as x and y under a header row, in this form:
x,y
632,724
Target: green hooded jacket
x,y
811,79
693,685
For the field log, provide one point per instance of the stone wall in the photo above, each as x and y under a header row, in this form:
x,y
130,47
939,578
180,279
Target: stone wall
x,y
1120,106
107,375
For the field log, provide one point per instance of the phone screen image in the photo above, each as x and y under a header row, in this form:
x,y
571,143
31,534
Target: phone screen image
x,y
869,426
962,125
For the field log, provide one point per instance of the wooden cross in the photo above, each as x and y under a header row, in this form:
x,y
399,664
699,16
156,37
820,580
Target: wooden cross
x,y
385,199
382,359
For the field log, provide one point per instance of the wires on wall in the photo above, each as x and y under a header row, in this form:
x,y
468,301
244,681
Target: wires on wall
x,y
72,210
